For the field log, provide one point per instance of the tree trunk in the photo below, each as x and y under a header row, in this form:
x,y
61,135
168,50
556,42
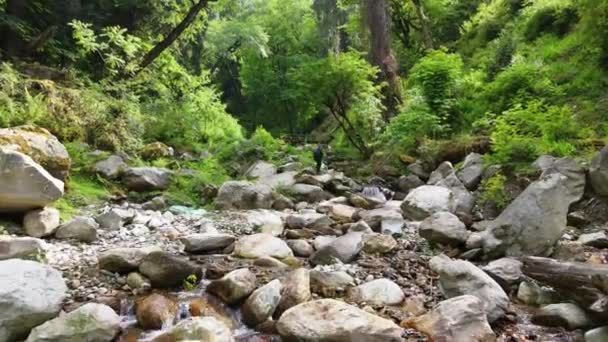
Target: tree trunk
x,y
174,34
586,284
425,25
381,55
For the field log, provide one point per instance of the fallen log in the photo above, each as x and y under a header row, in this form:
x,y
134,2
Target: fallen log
x,y
586,284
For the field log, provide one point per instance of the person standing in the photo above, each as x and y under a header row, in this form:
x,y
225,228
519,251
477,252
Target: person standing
x,y
318,155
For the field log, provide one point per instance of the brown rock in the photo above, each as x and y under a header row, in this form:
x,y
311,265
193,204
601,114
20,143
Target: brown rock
x,y
155,310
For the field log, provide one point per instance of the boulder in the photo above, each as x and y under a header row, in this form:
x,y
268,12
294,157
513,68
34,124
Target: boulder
x,y
300,248
322,240
266,221
262,303
342,213
444,228
26,248
379,243
269,262
155,311
530,293
459,277
308,219
445,176
281,180
147,179
111,168
156,150
506,271
598,172
327,283
167,271
282,202
597,239
426,200
534,221
244,195
419,169
40,145
328,320
293,166
575,176
205,329
24,184
30,294
261,169
41,222
296,289
234,286
207,242
567,315
392,226
597,335
343,249
80,228
471,172
375,217
379,292
406,184
260,245
460,318
91,322
309,193
361,227
124,260
112,219
136,281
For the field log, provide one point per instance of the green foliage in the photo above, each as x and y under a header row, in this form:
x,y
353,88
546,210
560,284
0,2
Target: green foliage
x,y
494,192
190,282
82,190
525,132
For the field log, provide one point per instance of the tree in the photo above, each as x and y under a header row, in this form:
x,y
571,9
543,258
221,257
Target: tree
x,y
425,24
379,24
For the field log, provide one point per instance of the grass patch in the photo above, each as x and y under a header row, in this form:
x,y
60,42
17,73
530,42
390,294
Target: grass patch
x,y
82,191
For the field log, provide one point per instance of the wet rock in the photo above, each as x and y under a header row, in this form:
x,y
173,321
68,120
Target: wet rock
x,y
271,262
262,303
26,248
378,243
426,200
597,239
234,286
309,193
203,307
136,281
408,183
598,172
361,227
472,170
41,222
328,320
124,260
147,179
80,228
506,271
207,242
444,228
260,245
531,294
40,145
578,219
392,226
379,292
567,315
296,289
167,271
111,168
266,221
155,311
300,248
460,318
198,329
261,169
244,195
34,293
308,219
597,335
24,184
343,249
326,283
459,277
90,322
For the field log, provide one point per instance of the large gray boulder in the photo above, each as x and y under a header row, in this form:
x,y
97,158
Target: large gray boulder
x,y
460,318
24,184
328,320
261,169
379,292
472,170
111,168
281,180
308,219
444,228
460,277
265,221
445,176
22,248
124,260
296,289
81,228
206,242
343,249
30,294
91,322
598,172
244,195
168,271
536,219
262,303
203,329
408,183
567,315
261,245
234,286
147,178
426,200
39,144
327,283
309,193
506,271
41,222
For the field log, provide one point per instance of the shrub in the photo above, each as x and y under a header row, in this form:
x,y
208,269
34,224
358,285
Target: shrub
x,y
494,191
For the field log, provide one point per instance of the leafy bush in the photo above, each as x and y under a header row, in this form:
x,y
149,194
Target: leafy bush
x,y
494,192
525,132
